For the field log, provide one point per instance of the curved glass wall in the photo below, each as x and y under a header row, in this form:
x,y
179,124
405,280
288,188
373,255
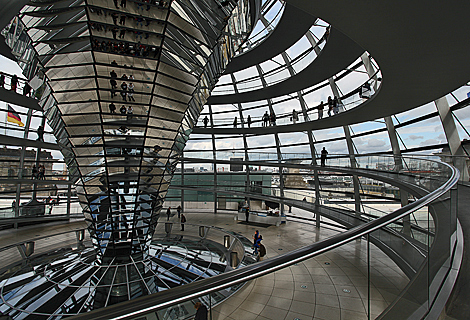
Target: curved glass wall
x,y
107,146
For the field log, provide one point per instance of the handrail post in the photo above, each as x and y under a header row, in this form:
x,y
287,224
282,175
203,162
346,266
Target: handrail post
x,y
317,197
182,183
69,196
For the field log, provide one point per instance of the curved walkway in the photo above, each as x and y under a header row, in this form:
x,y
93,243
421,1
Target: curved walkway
x,y
140,306
293,24
339,52
421,50
314,287
18,99
14,141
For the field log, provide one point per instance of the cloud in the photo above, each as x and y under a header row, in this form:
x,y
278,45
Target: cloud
x,y
375,143
359,141
415,137
441,137
429,142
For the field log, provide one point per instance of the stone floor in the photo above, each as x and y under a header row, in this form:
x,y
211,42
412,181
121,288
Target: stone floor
x,y
330,286
333,285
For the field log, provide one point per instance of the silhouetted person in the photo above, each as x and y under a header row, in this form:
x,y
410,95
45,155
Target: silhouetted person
x,y
130,94
265,119
14,82
235,122
41,172
330,106
40,133
130,112
168,213
178,209
249,121
124,91
114,17
324,153
183,221
112,108
26,89
34,172
114,31
273,118
320,110
113,83
335,105
206,121
295,116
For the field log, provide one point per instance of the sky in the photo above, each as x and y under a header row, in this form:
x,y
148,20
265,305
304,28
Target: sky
x,y
420,134
11,67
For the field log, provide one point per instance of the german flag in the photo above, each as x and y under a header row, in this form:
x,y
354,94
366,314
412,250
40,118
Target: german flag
x,y
14,117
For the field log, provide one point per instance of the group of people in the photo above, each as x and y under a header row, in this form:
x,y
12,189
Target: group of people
x,y
269,119
333,107
38,172
51,202
138,49
123,110
181,216
140,4
124,47
123,31
235,122
14,81
127,90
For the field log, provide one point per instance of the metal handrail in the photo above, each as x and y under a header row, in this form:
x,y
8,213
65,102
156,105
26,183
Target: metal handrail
x,y
143,305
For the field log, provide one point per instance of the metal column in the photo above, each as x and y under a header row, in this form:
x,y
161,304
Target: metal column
x,y
392,135
459,158
21,166
350,144
245,144
214,157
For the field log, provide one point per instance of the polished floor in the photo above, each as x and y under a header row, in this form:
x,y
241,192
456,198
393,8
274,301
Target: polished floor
x,y
330,286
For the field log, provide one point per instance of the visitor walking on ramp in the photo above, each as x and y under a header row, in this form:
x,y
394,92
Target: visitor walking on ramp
x,y
178,209
183,221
